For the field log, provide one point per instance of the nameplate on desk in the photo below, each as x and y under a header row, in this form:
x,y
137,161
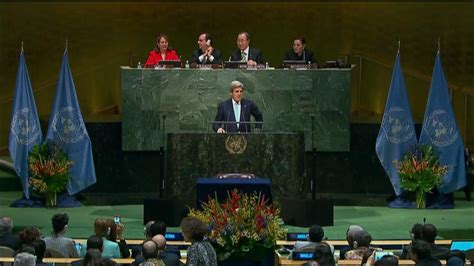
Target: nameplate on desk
x,y
297,236
303,255
174,236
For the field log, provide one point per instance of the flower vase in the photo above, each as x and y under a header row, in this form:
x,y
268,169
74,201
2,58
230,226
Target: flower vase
x,y
420,199
50,199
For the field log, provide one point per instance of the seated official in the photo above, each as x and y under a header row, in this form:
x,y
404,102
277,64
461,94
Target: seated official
x,y
236,109
252,56
299,52
206,54
161,52
315,238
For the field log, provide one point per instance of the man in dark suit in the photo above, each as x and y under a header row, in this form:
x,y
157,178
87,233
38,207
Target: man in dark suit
x,y
206,54
252,56
299,52
7,239
236,109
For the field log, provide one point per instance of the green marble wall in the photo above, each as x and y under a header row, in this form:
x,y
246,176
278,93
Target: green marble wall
x,y
278,156
288,99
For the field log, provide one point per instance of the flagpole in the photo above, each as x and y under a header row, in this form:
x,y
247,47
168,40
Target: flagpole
x,y
439,44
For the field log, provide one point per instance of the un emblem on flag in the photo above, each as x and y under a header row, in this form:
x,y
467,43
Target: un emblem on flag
x,y
397,126
24,126
68,125
441,128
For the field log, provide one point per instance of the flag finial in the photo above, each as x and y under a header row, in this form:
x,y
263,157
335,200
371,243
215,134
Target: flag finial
x,y
398,51
21,46
439,44
65,49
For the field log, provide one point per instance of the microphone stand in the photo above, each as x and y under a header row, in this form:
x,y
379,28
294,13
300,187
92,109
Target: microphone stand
x,y
162,173
313,159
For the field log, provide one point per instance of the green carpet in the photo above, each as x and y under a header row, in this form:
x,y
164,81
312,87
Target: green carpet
x,y
381,222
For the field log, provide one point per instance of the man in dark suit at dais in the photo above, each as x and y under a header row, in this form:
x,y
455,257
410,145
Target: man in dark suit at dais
x,y
245,53
235,110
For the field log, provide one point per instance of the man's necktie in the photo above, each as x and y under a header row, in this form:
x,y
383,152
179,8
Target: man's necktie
x,y
243,56
237,113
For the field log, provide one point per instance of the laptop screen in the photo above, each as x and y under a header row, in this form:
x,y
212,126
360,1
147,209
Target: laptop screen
x,y
462,245
297,236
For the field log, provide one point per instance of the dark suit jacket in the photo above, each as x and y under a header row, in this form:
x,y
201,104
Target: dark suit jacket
x,y
254,54
225,113
306,56
198,52
9,240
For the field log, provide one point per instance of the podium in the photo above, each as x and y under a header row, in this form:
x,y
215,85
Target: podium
x,y
277,156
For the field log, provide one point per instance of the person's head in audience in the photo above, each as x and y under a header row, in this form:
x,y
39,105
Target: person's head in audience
x,y
351,232
40,248
95,242
362,239
113,231
158,228
415,232
6,225
160,241
29,234
456,258
93,257
315,233
147,230
24,259
193,229
60,222
323,255
420,250
429,233
387,260
102,228
149,250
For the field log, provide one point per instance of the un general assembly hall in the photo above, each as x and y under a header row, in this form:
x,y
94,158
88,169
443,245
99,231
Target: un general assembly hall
x,y
236,133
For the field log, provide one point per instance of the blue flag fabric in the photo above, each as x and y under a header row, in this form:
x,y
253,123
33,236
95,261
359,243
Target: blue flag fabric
x,y
25,129
397,132
68,131
440,131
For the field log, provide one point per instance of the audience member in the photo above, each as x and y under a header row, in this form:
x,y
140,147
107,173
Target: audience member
x,y
157,228
415,234
102,229
29,235
421,254
428,234
350,233
315,237
95,243
323,255
360,245
136,250
150,254
24,259
456,258
116,232
385,260
201,252
170,259
57,240
40,250
92,257
7,239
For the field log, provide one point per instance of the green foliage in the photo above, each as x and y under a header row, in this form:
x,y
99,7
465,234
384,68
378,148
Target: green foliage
x,y
420,170
49,168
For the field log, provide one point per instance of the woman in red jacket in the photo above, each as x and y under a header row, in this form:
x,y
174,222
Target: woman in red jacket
x,y
161,52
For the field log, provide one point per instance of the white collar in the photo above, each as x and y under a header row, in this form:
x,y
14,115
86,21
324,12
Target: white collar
x,y
246,51
234,102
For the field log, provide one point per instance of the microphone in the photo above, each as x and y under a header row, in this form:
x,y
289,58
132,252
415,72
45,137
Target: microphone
x,y
304,55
